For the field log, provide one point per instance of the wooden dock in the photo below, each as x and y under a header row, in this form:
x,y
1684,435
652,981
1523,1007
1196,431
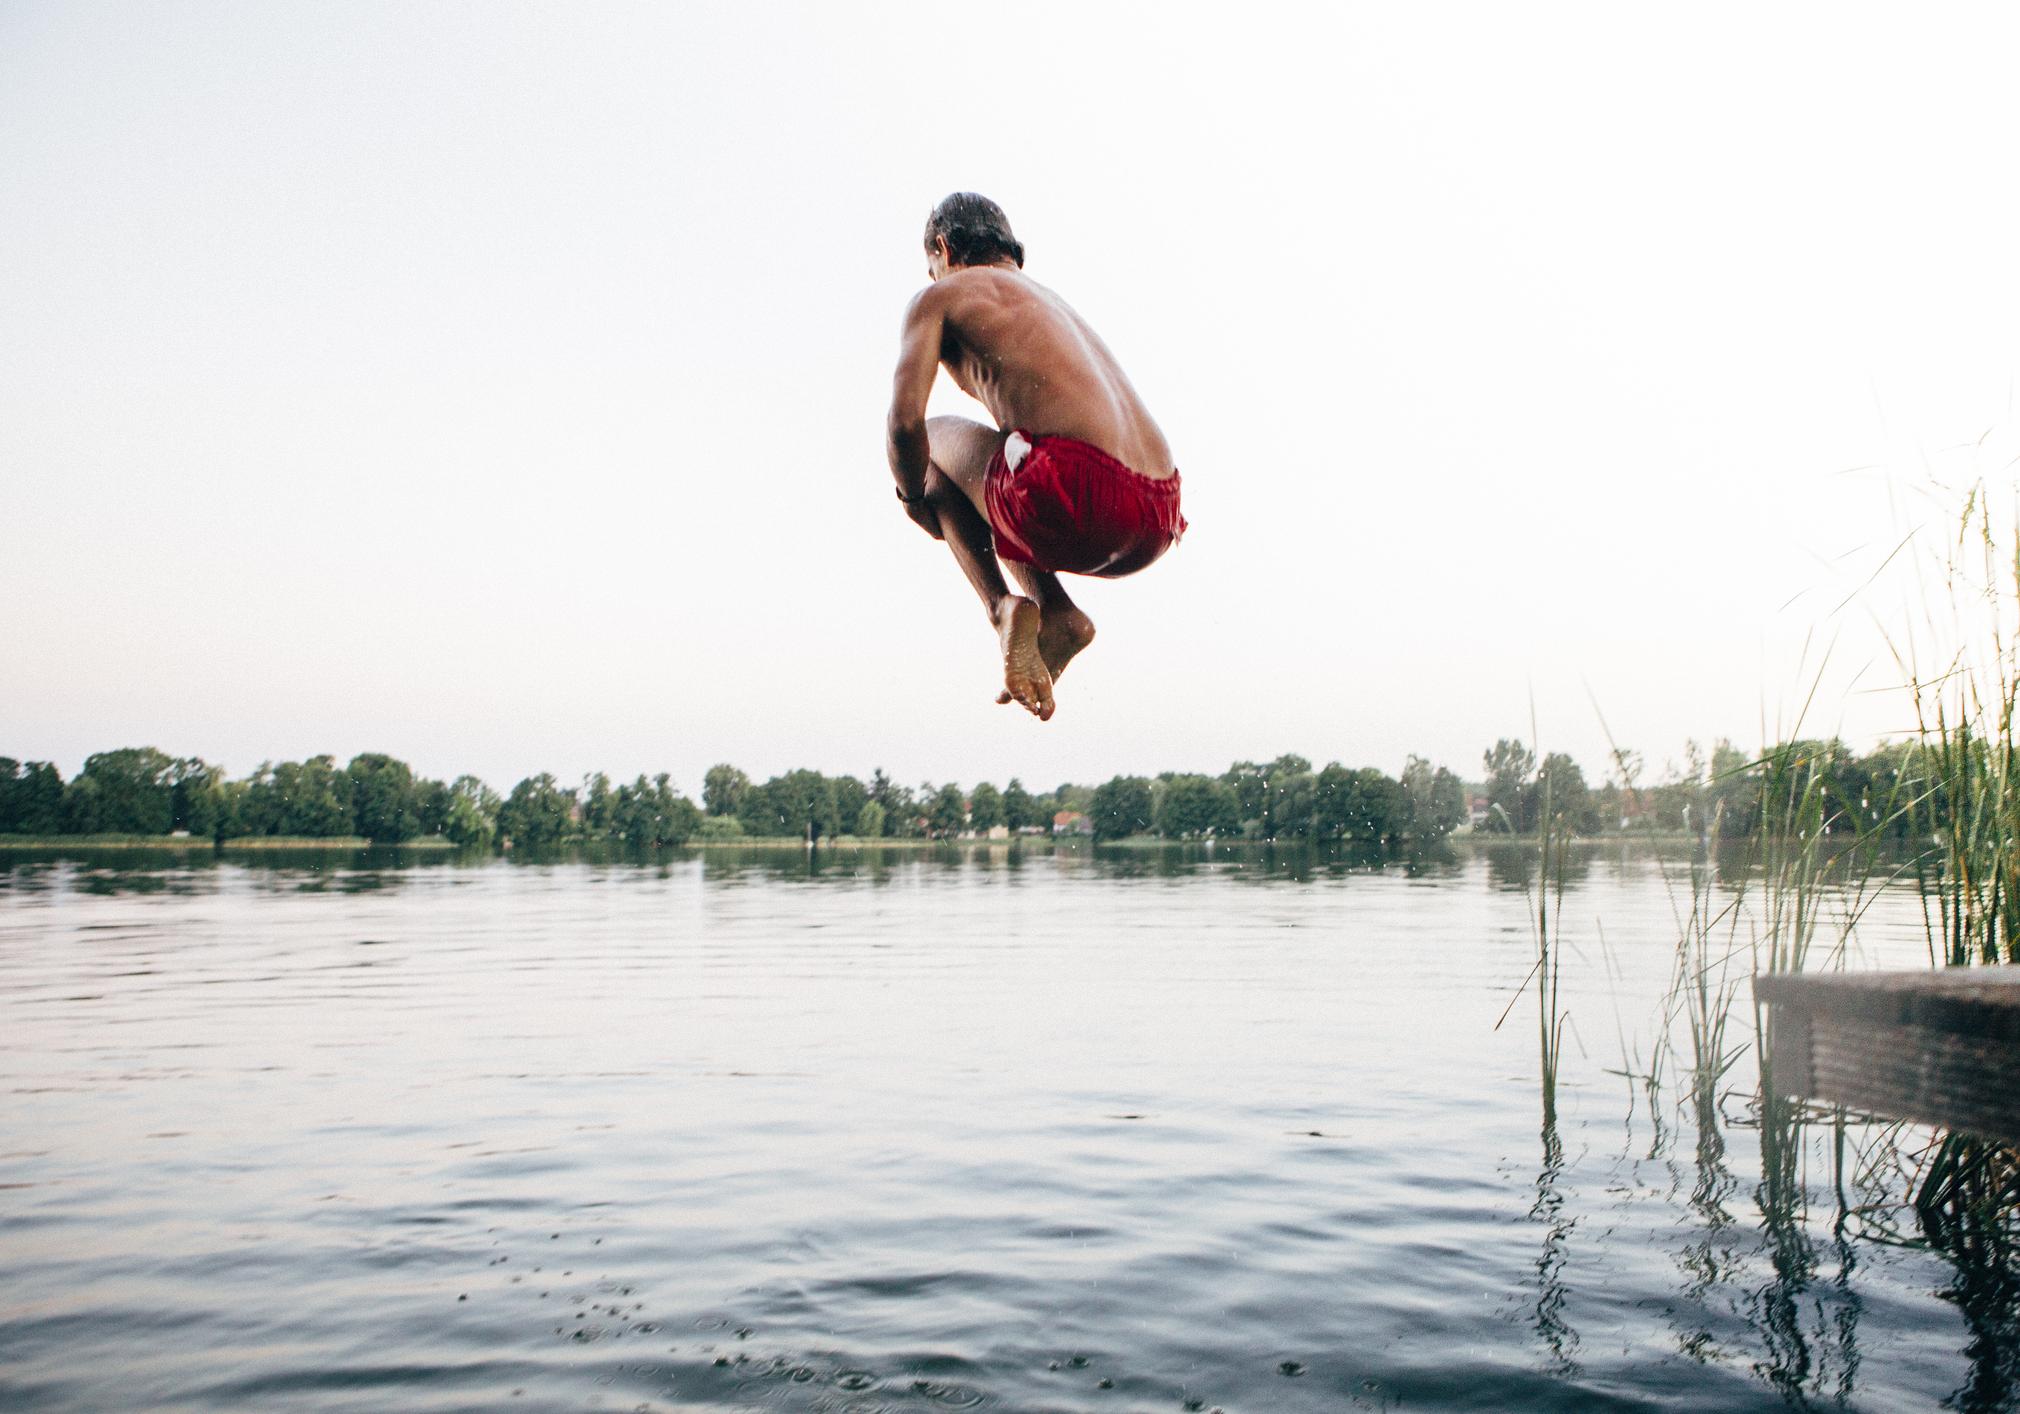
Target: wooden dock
x,y
1941,1045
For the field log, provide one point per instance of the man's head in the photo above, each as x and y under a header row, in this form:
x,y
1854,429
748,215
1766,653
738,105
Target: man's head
x,y
969,229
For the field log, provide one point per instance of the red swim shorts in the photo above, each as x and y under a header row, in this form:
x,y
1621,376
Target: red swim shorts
x,y
1067,507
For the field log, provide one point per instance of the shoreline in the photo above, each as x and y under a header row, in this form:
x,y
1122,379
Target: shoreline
x,y
435,843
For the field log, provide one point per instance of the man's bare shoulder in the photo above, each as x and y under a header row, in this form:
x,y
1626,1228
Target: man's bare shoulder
x,y
929,303
979,288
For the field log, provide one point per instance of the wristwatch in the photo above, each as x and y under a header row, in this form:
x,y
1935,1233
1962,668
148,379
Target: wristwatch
x,y
899,491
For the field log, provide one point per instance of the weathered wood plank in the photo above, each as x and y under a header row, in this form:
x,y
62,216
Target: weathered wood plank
x,y
1941,1047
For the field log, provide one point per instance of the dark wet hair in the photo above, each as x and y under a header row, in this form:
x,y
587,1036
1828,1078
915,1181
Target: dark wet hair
x,y
975,229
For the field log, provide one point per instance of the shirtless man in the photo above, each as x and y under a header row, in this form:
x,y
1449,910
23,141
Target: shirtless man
x,y
1074,478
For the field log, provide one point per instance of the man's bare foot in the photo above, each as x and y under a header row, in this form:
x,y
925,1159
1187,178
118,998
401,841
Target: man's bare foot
x,y
1026,680
1061,635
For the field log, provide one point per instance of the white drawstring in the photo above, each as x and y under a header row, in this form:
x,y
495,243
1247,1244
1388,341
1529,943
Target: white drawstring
x,y
1015,448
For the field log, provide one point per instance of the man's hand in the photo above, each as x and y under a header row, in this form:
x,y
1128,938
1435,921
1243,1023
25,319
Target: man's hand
x,y
922,514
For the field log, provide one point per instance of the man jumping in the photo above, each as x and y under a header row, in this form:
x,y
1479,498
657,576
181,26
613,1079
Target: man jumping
x,y
1075,477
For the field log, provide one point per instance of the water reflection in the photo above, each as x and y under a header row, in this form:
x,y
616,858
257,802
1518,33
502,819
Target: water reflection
x,y
992,1123
142,870
1550,1209
1968,1208
1512,864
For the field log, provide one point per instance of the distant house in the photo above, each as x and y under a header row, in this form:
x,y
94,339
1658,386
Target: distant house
x,y
1477,808
996,832
1071,822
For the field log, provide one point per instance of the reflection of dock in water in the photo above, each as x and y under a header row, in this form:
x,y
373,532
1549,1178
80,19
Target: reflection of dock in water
x,y
1938,1046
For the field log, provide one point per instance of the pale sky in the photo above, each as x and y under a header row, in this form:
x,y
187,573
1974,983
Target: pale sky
x,y
503,387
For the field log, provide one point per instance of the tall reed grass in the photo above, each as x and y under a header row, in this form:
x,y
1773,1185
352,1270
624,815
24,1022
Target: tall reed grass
x,y
1962,668
1546,913
1963,671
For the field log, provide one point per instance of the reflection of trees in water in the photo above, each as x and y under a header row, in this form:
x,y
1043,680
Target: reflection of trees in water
x,y
1512,865
1559,1339
1301,861
787,864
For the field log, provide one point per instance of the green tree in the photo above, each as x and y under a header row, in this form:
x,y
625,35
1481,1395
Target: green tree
x,y
870,820
83,808
1293,801
800,804
1275,798
1561,781
1894,785
1435,800
651,813
10,785
754,813
31,798
1364,804
901,811
1510,802
949,812
384,804
851,795
1841,780
723,789
1249,784
471,817
1121,807
1732,793
431,806
205,802
1381,809
985,808
310,798
599,808
1335,802
259,802
1020,811
537,813
1193,807
807,800
131,792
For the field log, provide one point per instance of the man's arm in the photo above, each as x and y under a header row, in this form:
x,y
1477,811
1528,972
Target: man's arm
x,y
918,365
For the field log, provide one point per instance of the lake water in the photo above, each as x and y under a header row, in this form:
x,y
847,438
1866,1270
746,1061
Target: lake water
x,y
1149,1130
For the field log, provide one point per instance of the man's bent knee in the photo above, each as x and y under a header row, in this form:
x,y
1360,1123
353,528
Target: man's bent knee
x,y
946,495
962,449
939,485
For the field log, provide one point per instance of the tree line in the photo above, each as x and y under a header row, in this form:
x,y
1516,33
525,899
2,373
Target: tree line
x,y
143,791
1284,798
1885,791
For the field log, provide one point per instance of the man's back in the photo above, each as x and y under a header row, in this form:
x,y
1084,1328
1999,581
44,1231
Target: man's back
x,y
1026,355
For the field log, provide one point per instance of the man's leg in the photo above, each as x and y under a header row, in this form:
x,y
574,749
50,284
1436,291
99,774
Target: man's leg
x,y
960,451
963,449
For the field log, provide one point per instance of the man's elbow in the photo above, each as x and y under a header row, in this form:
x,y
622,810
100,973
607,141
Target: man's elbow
x,y
905,429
